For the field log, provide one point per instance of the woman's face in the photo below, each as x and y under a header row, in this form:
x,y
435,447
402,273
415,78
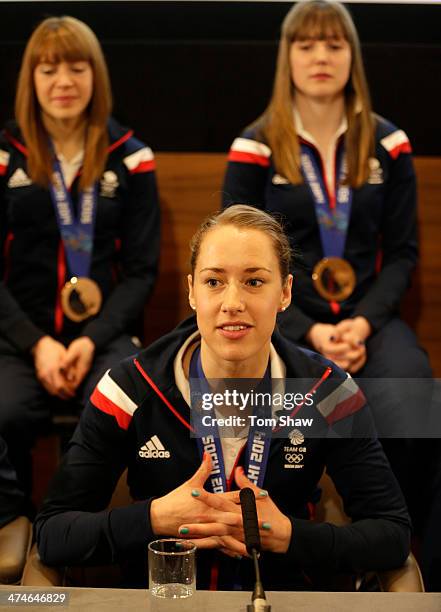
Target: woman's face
x,y
63,89
320,69
237,291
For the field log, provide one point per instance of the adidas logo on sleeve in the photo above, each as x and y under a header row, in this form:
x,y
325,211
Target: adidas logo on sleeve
x,y
153,449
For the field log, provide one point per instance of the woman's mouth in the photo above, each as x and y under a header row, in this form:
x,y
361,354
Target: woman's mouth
x,y
234,331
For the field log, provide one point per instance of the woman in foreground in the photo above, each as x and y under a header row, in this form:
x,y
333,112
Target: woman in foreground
x,y
140,416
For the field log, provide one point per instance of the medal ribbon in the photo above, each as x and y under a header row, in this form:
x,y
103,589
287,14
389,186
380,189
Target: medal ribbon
x,y
333,222
259,437
76,232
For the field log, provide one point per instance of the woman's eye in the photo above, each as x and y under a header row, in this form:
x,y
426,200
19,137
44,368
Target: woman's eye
x,y
212,282
78,68
255,282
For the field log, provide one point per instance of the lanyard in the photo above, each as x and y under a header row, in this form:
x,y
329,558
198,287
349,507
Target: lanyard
x,y
333,222
259,436
76,233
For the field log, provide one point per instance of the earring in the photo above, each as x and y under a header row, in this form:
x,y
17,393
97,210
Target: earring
x,y
192,306
283,308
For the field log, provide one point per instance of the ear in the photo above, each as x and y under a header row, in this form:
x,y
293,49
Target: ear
x,y
286,293
190,292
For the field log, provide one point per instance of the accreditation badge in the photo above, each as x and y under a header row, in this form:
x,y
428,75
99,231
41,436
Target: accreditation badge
x,y
334,278
80,298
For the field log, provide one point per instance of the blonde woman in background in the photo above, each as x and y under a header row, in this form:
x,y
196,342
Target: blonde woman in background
x,y
342,179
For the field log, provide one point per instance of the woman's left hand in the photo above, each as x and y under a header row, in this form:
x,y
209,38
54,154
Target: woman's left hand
x,y
78,360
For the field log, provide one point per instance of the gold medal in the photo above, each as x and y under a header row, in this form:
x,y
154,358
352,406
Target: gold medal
x,y
334,279
80,298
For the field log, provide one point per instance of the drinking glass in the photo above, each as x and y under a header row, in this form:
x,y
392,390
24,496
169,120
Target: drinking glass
x,y
172,568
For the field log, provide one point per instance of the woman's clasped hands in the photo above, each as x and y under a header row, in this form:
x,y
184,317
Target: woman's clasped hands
x,y
62,369
214,520
343,343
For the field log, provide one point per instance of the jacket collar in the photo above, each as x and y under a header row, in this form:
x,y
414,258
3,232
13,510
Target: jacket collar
x,y
158,359
118,134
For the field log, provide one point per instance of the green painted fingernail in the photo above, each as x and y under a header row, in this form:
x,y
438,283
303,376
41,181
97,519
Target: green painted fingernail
x,y
184,530
266,526
178,544
195,493
263,493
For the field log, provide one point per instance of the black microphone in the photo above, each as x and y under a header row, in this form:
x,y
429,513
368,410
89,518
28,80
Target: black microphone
x,y
252,542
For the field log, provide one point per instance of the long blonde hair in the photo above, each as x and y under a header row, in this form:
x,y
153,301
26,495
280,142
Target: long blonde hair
x,y
59,39
319,19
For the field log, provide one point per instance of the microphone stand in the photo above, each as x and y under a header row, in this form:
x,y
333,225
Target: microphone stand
x,y
258,598
252,542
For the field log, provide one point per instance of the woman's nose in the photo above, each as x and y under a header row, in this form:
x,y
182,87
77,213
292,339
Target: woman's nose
x,y
233,299
321,53
64,78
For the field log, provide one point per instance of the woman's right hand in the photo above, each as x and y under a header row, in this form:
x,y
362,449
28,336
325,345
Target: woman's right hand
x,y
48,357
185,505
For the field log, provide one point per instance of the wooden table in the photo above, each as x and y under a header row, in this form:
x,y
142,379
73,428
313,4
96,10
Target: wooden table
x,y
119,600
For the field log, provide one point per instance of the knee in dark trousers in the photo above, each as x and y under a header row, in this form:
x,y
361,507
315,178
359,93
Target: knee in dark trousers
x,y
394,353
24,410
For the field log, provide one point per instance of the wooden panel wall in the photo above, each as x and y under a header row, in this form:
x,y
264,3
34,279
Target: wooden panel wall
x,y
422,305
190,186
